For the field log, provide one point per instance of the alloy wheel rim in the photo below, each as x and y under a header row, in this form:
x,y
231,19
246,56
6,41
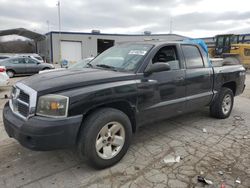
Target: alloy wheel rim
x,y
110,140
226,104
10,74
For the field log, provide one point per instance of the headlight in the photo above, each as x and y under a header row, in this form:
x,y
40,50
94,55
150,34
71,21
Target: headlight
x,y
52,106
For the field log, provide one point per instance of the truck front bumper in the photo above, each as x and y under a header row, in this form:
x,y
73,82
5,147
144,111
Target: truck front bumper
x,y
42,133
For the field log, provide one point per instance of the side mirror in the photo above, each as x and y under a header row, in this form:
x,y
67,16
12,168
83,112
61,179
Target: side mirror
x,y
157,67
38,63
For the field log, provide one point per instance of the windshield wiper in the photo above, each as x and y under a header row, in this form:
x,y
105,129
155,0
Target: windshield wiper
x,y
89,64
106,66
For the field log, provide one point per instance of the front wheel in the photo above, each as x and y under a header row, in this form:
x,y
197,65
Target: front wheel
x,y
10,73
105,137
222,106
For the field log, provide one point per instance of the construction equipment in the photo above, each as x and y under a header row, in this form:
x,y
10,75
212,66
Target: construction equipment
x,y
233,48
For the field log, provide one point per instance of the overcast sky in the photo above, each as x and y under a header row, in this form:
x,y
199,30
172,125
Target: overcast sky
x,y
193,18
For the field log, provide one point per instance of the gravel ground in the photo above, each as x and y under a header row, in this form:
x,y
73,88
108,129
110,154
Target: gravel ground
x,y
221,154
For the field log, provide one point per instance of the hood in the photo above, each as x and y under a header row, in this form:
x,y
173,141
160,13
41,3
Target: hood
x,y
61,80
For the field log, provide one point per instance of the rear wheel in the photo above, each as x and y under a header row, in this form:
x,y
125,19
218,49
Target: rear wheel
x,y
222,106
105,137
10,73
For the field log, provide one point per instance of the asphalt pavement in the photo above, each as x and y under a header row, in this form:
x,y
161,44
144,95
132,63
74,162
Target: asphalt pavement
x,y
192,145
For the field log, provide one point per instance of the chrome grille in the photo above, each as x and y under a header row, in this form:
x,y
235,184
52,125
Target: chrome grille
x,y
23,109
20,102
23,100
24,97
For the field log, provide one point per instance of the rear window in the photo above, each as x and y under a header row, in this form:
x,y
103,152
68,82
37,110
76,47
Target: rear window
x,y
38,58
192,56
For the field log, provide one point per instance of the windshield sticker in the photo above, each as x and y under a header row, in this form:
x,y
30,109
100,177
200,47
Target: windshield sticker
x,y
137,52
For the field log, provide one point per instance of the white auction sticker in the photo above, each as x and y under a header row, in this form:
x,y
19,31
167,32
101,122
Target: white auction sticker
x,y
137,52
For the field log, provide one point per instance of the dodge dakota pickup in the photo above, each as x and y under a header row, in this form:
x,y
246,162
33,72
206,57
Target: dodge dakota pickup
x,y
98,108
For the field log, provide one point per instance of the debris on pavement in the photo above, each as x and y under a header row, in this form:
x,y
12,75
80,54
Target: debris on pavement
x,y
239,118
220,172
171,159
204,180
137,168
238,180
204,130
216,158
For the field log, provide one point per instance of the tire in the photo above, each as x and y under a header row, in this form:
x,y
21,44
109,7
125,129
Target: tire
x,y
93,134
10,73
46,68
222,106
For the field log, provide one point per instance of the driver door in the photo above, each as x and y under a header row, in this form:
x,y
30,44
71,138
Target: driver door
x,y
162,94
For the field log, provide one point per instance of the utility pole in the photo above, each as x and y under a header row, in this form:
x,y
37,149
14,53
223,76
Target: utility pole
x,y
48,25
59,15
59,27
171,26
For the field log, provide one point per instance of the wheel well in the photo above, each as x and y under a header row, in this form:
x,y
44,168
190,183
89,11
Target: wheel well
x,y
10,70
230,85
46,68
122,106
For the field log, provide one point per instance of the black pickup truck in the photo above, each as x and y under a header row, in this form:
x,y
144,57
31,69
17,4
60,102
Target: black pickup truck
x,y
98,108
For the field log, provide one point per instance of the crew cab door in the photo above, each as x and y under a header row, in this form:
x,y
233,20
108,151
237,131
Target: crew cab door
x,y
162,94
199,77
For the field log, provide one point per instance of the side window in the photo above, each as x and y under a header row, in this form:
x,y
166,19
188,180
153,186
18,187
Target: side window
x,y
21,61
227,41
192,56
30,61
17,61
167,54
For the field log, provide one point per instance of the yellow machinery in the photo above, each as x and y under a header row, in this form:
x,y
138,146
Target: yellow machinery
x,y
231,47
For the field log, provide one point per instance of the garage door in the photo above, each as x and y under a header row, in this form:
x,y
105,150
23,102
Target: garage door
x,y
71,51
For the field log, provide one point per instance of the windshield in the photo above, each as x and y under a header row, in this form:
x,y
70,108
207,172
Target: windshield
x,y
220,41
124,57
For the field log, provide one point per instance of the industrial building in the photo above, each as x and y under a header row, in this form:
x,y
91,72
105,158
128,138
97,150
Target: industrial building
x,y
73,46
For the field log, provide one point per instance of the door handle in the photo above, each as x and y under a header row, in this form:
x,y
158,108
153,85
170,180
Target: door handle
x,y
181,78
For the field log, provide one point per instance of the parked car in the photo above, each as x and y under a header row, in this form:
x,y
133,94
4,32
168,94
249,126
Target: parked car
x,y
24,66
97,109
31,55
79,65
4,79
